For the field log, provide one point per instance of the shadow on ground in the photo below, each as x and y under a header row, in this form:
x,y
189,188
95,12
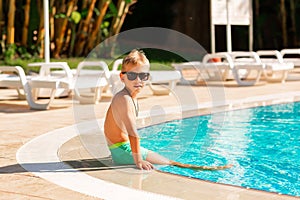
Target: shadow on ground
x,y
84,165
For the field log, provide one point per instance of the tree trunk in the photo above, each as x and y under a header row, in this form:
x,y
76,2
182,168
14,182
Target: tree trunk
x,y
11,22
60,39
283,23
26,23
1,11
51,21
97,25
118,20
123,16
1,19
85,4
83,33
41,32
258,25
293,23
2,24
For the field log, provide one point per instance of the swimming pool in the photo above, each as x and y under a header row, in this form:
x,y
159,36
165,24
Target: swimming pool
x,y
263,144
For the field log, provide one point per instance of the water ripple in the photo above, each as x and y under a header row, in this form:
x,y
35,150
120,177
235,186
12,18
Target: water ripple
x,y
263,143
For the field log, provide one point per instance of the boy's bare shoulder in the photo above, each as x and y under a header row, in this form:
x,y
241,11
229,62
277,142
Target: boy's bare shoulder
x,y
120,98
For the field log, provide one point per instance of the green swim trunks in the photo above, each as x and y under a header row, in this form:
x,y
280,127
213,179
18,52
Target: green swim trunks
x,y
121,153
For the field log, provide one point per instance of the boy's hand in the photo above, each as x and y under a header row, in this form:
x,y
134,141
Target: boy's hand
x,y
145,165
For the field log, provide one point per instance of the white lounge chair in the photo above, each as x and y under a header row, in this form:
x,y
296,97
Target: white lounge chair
x,y
163,82
116,83
19,80
291,55
216,71
91,80
53,70
276,69
245,67
88,81
190,71
116,64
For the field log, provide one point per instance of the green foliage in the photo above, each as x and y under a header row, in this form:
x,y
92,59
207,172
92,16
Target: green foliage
x,y
72,62
35,29
84,13
22,51
34,49
76,17
60,15
113,9
162,56
97,11
105,29
14,55
22,63
10,52
160,66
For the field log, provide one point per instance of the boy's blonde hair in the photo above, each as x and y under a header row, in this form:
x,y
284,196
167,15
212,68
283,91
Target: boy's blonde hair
x,y
135,57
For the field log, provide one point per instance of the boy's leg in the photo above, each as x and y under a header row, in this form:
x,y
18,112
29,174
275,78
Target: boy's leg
x,y
155,158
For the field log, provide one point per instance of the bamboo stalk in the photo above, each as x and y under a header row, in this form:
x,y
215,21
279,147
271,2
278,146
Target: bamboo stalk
x,y
122,19
118,21
60,39
97,25
121,6
11,22
82,35
41,31
1,14
51,23
1,8
26,23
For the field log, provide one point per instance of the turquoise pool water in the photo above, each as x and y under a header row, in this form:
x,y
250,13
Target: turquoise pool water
x,y
262,143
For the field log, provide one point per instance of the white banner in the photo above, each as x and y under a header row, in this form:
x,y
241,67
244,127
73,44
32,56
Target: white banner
x,y
239,12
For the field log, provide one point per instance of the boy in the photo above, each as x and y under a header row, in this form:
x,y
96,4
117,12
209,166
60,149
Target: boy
x,y
120,122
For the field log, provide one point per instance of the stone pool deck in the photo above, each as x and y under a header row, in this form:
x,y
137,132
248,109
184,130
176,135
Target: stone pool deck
x,y
20,125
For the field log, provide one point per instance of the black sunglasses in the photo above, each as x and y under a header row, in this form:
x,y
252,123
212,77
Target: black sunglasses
x,y
133,75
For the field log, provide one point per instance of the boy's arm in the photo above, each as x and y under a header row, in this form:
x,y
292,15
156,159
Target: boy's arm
x,y
123,112
135,148
137,156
